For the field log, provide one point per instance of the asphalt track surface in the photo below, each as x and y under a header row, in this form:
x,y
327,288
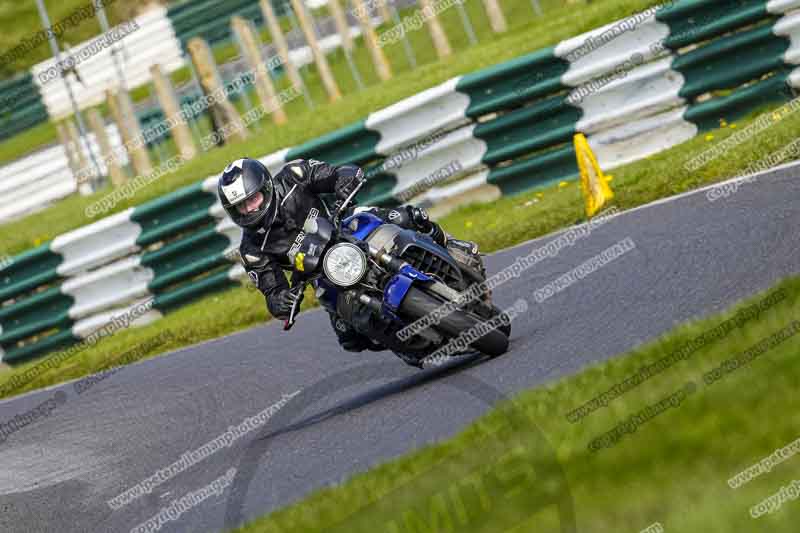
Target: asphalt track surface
x,y
692,258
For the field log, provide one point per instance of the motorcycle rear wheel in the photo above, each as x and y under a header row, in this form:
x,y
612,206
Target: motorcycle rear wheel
x,y
418,303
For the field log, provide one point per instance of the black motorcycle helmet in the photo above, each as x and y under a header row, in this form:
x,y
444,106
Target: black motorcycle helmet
x,y
239,186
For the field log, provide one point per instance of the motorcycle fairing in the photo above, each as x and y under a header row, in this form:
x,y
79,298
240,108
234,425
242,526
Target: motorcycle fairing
x,y
361,225
397,287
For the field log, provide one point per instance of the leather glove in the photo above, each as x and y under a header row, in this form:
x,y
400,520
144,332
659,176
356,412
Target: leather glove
x,y
349,179
281,303
420,218
424,224
421,221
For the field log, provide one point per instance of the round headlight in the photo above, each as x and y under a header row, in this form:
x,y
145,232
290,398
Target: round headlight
x,y
345,264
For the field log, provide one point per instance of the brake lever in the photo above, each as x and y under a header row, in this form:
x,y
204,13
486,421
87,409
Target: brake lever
x,y
341,205
289,322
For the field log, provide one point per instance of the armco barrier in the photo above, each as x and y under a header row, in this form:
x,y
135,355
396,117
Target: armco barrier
x,y
32,183
651,83
153,43
210,19
21,106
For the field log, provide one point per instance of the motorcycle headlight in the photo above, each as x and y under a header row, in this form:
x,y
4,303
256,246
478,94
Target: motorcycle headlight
x,y
345,264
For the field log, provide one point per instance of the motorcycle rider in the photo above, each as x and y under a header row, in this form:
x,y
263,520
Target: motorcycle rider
x,y
272,210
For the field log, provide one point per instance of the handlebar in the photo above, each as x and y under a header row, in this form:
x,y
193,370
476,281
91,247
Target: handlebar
x,y
339,208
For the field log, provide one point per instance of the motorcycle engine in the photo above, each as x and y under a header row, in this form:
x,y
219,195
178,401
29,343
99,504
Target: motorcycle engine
x,y
383,237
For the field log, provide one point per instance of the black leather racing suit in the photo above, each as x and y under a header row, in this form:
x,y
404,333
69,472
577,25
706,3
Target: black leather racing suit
x,y
264,248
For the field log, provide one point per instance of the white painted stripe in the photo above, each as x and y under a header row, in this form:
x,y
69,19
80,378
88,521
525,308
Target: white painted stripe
x,y
230,230
794,78
781,6
32,168
438,108
789,27
154,42
33,182
275,161
107,287
83,328
97,244
36,186
606,57
217,211
439,194
641,138
210,184
33,203
237,273
650,89
457,153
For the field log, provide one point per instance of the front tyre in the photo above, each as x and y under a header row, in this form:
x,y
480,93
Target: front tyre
x,y
418,303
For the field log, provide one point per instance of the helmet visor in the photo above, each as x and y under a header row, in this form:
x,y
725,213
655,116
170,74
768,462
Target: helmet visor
x,y
254,207
250,205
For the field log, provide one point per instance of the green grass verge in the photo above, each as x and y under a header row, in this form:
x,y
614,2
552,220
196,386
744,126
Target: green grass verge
x,y
561,22
673,469
27,142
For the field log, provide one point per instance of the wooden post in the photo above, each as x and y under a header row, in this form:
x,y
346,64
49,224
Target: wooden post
x,y
84,172
280,44
227,118
252,54
438,35
383,9
116,116
342,26
172,112
319,58
376,52
72,157
141,158
496,18
98,126
121,108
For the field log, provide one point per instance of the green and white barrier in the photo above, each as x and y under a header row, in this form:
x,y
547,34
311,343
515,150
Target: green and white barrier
x,y
633,87
151,40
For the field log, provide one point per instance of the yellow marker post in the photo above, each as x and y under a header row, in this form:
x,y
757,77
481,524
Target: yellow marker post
x,y
594,183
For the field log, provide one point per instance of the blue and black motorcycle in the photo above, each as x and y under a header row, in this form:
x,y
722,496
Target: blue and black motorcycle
x,y
400,276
